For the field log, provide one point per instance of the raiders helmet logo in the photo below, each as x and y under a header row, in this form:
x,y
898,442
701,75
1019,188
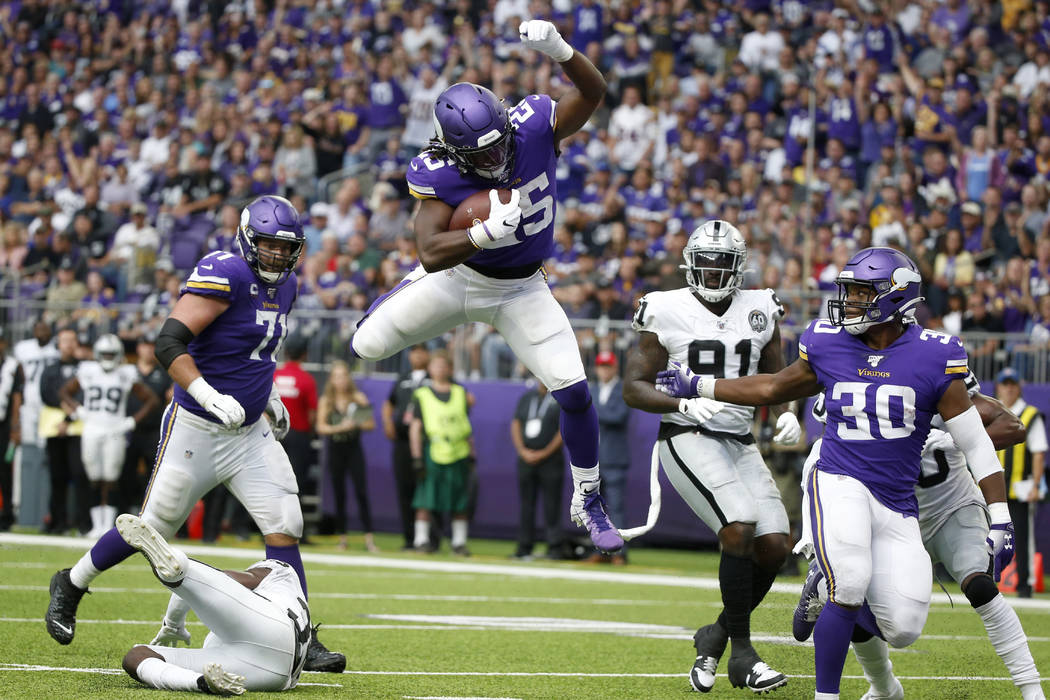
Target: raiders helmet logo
x,y
874,360
758,321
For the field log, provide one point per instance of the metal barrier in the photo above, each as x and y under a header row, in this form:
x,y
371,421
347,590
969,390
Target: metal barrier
x,y
477,350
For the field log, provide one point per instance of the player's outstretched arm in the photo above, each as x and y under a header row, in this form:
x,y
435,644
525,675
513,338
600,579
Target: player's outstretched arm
x,y
771,361
1003,427
796,381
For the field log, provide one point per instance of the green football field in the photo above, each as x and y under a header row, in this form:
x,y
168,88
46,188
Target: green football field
x,y
416,626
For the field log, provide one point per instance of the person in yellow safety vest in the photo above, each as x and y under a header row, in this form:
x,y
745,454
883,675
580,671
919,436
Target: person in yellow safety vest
x,y
1023,464
442,452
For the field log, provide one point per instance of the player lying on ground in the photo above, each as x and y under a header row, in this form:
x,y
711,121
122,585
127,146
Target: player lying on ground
x,y
491,272
885,380
258,622
713,327
953,520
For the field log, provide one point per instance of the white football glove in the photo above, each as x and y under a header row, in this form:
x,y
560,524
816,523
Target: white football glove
x,y
502,222
277,413
938,440
788,430
543,36
223,406
171,634
700,409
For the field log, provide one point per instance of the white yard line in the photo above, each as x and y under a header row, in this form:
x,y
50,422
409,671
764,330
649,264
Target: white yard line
x,y
565,573
500,674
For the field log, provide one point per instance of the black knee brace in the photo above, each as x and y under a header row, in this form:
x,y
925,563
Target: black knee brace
x,y
981,590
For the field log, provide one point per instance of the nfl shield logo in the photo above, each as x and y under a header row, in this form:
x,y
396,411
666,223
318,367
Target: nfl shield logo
x,y
271,292
758,321
189,454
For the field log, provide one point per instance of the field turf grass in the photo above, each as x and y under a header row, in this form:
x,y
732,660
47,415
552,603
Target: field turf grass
x,y
419,626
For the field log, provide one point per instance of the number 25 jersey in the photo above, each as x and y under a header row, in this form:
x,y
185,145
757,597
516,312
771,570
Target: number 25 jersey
x,y
532,175
237,352
880,403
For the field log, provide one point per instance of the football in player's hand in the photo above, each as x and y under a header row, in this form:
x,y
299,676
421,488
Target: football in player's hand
x,y
474,207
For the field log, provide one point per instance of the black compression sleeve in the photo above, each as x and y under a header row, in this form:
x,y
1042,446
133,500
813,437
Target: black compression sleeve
x,y
172,341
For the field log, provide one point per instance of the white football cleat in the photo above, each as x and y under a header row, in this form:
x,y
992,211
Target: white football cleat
x,y
222,683
169,564
896,694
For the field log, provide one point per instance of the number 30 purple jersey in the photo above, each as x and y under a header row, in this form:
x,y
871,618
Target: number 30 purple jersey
x,y
533,176
880,403
237,352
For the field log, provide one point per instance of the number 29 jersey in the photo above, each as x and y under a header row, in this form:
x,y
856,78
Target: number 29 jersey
x,y
729,345
880,403
237,352
105,393
533,175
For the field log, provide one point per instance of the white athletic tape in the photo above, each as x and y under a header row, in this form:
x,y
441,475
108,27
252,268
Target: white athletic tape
x,y
654,498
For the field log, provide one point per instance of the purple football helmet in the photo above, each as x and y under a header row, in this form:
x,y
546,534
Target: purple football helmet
x,y
893,283
274,218
473,127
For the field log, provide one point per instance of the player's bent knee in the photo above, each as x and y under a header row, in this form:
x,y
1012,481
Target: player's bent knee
x,y
291,517
980,590
771,551
906,625
367,345
135,656
738,538
575,398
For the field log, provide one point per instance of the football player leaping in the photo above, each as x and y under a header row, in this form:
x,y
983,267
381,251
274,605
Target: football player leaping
x,y
219,345
491,272
107,382
885,380
953,520
712,327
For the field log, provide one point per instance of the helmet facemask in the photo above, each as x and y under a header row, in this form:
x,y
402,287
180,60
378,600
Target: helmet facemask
x,y
714,273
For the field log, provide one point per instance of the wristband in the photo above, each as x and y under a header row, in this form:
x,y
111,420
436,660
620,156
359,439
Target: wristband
x,y
1000,513
201,390
706,388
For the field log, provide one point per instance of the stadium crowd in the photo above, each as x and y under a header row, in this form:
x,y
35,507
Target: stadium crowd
x,y
132,133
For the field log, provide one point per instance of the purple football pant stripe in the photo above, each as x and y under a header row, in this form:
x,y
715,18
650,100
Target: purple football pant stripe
x,y
819,540
379,300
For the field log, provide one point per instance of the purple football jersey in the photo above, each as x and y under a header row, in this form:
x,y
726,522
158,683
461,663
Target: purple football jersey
x,y
880,403
533,176
236,352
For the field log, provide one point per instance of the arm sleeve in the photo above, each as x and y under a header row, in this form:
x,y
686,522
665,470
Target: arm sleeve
x,y
967,430
177,610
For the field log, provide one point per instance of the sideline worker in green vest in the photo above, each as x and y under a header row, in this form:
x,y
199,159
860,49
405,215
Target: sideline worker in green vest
x,y
1023,465
440,420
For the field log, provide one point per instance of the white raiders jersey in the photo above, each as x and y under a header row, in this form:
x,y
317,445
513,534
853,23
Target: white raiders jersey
x,y
105,393
281,587
33,359
729,345
945,483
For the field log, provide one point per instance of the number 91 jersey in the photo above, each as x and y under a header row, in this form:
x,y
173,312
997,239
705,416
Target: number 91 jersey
x,y
532,175
880,403
237,352
729,345
105,393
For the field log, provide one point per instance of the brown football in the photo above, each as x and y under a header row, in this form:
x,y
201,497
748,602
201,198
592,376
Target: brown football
x,y
476,206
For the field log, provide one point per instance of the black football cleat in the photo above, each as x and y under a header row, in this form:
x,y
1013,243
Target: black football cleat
x,y
751,672
318,658
61,617
710,643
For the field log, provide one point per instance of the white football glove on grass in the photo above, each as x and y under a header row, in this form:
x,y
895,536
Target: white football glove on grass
x,y
502,222
543,36
171,634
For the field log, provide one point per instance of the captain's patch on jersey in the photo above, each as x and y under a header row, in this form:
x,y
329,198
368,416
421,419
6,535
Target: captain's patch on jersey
x,y
758,321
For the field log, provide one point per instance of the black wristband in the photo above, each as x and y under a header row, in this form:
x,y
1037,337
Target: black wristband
x,y
172,341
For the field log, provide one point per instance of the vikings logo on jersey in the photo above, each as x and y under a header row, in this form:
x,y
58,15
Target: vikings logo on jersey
x,y
532,173
878,419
